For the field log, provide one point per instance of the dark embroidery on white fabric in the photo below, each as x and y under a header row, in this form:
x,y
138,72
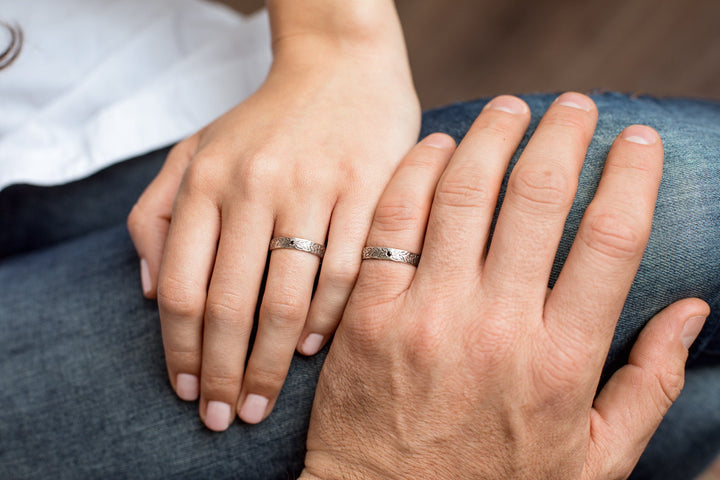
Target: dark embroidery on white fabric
x,y
12,51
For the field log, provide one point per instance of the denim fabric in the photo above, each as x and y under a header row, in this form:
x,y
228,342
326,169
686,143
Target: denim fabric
x,y
33,217
83,389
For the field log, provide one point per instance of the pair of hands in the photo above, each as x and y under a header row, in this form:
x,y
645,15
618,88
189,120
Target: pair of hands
x,y
468,367
464,368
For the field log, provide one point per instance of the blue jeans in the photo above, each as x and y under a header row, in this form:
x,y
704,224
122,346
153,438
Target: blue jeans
x,y
83,388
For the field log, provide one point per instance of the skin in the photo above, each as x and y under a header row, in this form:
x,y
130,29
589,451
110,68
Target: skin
x,y
466,367
308,155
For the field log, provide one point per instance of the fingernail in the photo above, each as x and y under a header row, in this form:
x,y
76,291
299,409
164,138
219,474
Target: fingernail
x,y
439,140
217,416
640,134
312,344
145,276
253,410
508,104
187,387
575,100
691,330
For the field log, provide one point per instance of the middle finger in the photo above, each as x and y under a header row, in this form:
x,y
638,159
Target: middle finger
x,y
230,308
539,195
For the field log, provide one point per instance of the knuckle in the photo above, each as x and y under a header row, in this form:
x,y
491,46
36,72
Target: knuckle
x,y
495,346
232,324
560,373
263,169
179,298
468,191
543,188
312,179
340,277
283,309
606,463
643,165
395,215
497,125
614,234
558,376
179,147
220,311
575,120
424,157
265,379
135,220
374,290
201,175
367,335
258,171
216,382
671,383
182,358
662,387
428,339
346,169
226,307
366,322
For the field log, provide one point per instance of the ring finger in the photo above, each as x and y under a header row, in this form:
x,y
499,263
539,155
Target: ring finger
x,y
284,308
401,218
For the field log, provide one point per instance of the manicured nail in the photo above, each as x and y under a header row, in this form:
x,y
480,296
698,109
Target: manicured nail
x,y
439,140
575,100
640,134
145,276
217,416
253,410
506,103
691,330
187,387
312,344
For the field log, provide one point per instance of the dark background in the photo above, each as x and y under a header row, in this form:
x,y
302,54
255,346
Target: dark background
x,y
463,49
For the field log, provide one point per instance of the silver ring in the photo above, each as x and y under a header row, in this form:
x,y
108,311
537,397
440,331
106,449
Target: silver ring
x,y
298,244
392,254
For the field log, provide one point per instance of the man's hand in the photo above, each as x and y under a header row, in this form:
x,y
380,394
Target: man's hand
x,y
467,367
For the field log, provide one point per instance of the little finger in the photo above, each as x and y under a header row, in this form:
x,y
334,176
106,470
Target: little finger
x,y
149,219
182,288
590,292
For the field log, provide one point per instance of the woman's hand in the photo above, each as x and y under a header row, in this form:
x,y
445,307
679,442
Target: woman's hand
x,y
307,156
466,367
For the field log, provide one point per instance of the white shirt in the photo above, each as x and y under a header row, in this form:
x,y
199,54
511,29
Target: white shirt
x,y
99,81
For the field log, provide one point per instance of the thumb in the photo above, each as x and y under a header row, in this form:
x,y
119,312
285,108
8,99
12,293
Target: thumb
x,y
632,404
149,219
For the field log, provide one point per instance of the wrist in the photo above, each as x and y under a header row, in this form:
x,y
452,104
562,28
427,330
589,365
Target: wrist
x,y
336,466
317,29
347,20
